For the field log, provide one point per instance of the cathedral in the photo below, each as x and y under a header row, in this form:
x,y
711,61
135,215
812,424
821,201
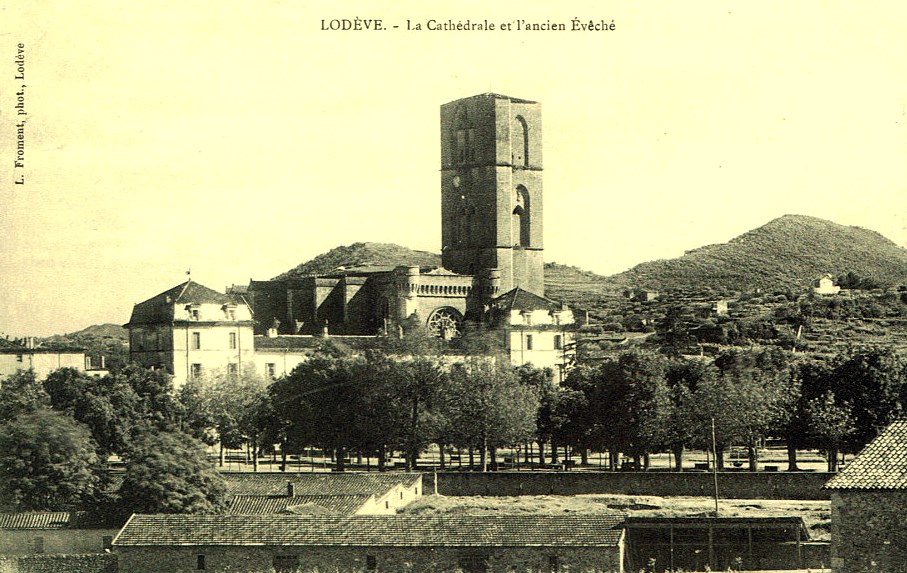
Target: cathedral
x,y
492,271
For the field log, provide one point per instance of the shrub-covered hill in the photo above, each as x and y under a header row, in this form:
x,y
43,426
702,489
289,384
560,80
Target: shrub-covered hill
x,y
363,254
562,282
790,252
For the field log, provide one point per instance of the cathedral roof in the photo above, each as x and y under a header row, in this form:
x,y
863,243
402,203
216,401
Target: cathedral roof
x,y
519,299
160,307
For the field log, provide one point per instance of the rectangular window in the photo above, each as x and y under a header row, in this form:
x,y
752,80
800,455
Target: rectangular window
x,y
271,370
18,358
558,342
107,541
371,563
233,370
39,545
286,563
553,563
200,563
196,371
196,341
232,341
528,342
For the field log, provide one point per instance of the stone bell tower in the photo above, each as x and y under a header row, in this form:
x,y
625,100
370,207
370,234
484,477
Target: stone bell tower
x,y
491,189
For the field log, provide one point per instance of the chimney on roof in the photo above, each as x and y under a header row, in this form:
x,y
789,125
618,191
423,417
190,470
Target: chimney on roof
x,y
291,489
30,342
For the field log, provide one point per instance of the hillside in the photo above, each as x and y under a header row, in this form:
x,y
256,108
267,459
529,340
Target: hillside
x,y
789,252
362,254
108,340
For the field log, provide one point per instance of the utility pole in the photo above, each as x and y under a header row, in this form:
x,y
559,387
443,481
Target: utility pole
x,y
715,468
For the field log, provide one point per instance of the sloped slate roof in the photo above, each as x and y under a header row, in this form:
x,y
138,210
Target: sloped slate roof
x,y
36,520
332,504
158,309
373,531
881,465
519,299
316,483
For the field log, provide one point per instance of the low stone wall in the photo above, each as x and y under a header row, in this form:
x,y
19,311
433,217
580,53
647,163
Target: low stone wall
x,y
97,563
732,485
258,559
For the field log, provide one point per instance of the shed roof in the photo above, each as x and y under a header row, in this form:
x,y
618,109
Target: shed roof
x,y
881,465
35,520
331,504
373,531
244,483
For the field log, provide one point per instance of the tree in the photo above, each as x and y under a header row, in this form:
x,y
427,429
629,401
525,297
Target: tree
x,y
830,424
21,393
751,396
488,407
47,462
233,404
317,403
197,418
107,406
628,403
168,472
872,381
416,381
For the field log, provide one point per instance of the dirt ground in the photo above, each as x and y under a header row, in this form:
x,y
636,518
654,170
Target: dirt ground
x,y
816,514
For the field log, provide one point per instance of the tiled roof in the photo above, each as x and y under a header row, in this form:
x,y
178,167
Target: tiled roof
x,y
42,520
331,504
158,308
244,483
881,465
519,299
373,531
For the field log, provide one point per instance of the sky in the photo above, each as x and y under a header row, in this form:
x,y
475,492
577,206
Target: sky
x,y
239,139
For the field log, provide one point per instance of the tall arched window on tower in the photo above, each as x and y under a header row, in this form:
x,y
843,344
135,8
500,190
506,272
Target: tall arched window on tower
x,y
464,224
520,221
519,142
461,131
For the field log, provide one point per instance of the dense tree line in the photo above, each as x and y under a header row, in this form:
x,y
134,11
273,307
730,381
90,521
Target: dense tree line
x,y
641,402
56,435
377,403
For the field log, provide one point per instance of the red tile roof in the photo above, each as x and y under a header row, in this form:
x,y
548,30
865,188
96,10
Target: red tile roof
x,y
373,531
881,465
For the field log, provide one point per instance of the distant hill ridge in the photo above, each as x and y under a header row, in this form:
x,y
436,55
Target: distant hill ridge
x,y
363,254
788,252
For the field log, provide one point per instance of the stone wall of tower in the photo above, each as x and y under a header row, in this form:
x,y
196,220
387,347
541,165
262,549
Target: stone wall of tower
x,y
491,189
